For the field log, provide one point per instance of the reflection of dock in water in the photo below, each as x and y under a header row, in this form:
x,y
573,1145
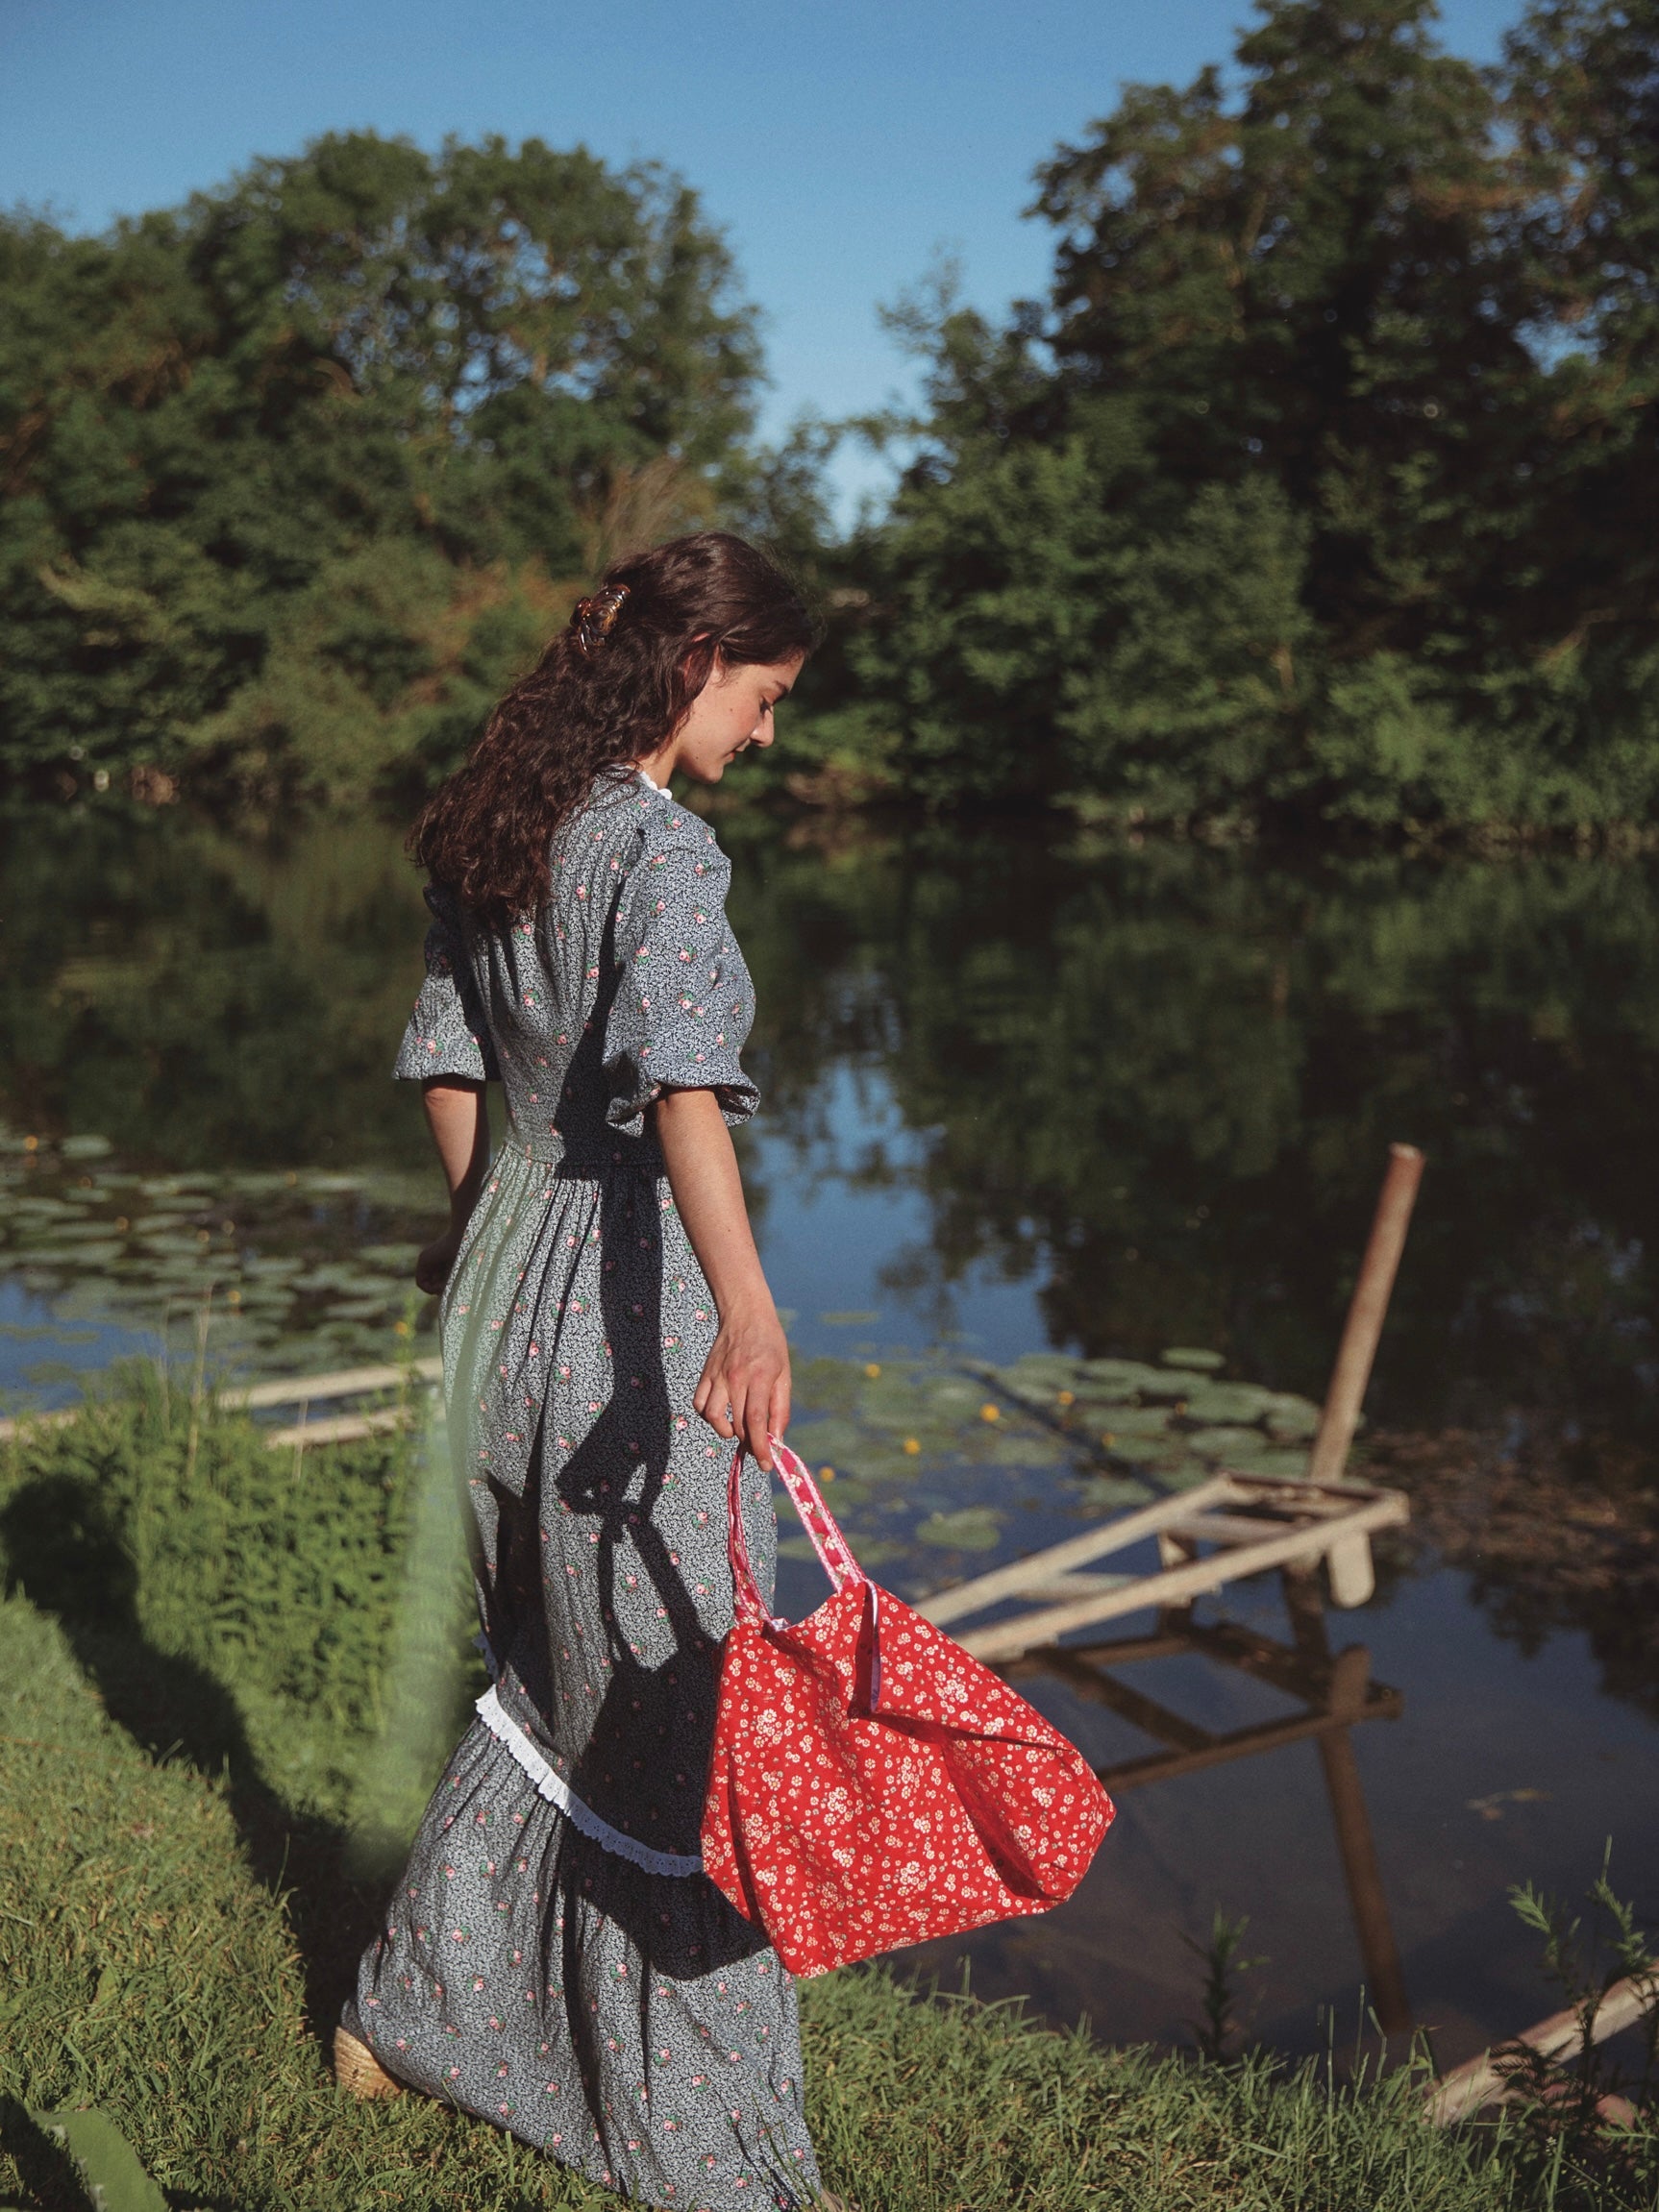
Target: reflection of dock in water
x,y
1334,1693
1232,1526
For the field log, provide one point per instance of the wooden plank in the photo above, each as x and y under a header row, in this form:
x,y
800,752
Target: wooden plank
x,y
1228,1643
1329,1503
1350,1572
1241,1743
1007,1640
1076,1552
284,1390
59,1418
1238,1529
1073,1585
1131,1705
339,1428
343,1383
1480,2080
1122,1651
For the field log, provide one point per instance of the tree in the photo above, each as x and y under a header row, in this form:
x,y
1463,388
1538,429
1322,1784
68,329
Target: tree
x,y
1582,80
433,363
1322,484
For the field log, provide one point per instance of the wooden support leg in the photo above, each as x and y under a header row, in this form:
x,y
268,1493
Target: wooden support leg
x,y
1366,1895
1347,1677
1353,1576
1366,1314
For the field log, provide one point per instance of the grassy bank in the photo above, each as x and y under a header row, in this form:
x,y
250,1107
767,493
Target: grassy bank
x,y
183,1891
149,1971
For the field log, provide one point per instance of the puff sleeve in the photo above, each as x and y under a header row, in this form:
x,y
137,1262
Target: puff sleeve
x,y
684,1000
446,1033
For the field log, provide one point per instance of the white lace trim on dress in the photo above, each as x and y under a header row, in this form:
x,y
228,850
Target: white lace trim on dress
x,y
557,1791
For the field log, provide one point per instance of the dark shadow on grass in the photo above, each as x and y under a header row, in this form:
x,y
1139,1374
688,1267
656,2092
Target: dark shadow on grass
x,y
64,1553
44,2169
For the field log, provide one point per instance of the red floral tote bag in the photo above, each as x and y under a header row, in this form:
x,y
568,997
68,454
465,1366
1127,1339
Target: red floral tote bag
x,y
872,1786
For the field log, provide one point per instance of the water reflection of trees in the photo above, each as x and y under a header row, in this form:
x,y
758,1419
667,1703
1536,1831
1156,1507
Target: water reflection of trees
x,y
1164,1078
206,998
1167,1079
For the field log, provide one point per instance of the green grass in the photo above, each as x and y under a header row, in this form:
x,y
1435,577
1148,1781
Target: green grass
x,y
175,1926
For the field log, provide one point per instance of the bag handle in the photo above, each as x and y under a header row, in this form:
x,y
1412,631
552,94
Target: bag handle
x,y
834,1552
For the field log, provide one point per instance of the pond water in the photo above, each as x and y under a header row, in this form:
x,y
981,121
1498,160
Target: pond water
x,y
1023,1092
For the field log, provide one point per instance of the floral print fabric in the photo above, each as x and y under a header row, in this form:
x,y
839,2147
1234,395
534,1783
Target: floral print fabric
x,y
872,1784
627,2021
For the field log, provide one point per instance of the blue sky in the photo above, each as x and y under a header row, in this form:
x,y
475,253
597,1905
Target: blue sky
x,y
841,148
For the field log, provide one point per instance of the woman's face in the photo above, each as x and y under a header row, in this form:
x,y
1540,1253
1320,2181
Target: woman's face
x,y
730,713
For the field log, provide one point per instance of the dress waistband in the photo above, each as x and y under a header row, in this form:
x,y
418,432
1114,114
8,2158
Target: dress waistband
x,y
589,1158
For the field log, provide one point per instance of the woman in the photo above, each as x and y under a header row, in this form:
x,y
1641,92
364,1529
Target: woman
x,y
554,1958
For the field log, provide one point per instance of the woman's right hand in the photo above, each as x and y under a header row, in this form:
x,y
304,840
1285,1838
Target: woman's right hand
x,y
744,1388
431,1270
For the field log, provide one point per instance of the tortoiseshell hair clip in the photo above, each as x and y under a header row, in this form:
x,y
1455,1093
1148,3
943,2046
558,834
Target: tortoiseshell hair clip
x,y
593,620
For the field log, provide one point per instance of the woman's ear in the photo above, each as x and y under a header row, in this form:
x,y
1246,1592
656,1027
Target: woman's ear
x,y
699,668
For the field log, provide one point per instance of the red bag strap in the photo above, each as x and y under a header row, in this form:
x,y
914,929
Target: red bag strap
x,y
834,1551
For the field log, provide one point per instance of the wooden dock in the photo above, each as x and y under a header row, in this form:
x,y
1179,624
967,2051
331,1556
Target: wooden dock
x,y
1232,1526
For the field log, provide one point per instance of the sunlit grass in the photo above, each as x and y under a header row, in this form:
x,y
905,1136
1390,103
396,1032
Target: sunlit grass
x,y
176,1923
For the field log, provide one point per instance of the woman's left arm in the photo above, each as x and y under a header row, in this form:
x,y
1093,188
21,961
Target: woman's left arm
x,y
459,1119
744,1389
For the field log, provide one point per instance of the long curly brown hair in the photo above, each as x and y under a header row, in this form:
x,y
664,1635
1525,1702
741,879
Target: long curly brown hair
x,y
600,700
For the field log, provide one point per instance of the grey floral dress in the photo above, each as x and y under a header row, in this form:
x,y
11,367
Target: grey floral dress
x,y
554,1958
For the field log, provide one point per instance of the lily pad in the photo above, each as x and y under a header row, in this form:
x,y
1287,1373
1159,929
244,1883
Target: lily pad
x,y
1159,1458
951,1394
824,1442
335,1276
1283,1467
970,1529
1185,1477
1170,1386
96,1252
1021,1448
1195,1362
85,1232
1044,1370
1122,1422
1228,1402
1117,1375
827,1385
87,1147
1290,1420
1243,1445
1108,1493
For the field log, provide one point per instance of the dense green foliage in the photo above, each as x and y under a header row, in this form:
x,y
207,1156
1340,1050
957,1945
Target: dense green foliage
x,y
237,1601
1319,490
1324,484
290,473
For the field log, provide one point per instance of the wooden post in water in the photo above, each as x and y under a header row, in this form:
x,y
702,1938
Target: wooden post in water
x,y
1365,1318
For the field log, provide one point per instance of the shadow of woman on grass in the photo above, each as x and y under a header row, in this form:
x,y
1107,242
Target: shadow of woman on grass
x,y
64,1550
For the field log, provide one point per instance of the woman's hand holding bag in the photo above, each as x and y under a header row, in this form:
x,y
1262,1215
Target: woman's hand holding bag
x,y
870,1785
